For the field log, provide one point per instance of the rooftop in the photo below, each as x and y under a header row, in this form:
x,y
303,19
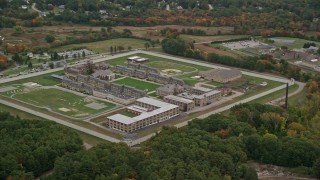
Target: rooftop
x,y
153,102
180,99
202,89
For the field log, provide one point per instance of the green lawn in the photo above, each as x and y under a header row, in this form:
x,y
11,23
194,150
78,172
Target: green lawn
x,y
155,61
170,65
298,43
104,46
139,84
56,99
211,38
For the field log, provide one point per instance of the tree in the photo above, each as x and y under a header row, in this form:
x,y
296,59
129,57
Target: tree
x,y
3,61
129,48
111,50
316,168
109,29
30,65
146,45
50,38
120,48
83,54
152,43
55,56
17,59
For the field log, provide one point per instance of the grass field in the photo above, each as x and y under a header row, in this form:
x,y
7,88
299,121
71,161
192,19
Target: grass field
x,y
104,46
171,65
211,38
152,59
298,43
56,99
139,84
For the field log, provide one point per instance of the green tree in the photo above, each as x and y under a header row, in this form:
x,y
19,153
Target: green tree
x,y
316,168
30,65
50,38
111,50
120,48
146,45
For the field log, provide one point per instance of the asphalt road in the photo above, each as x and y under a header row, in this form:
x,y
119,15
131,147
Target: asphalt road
x,y
138,141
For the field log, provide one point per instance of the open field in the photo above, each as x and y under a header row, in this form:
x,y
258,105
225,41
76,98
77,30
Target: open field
x,y
64,30
152,59
104,46
291,43
139,84
170,65
63,102
198,39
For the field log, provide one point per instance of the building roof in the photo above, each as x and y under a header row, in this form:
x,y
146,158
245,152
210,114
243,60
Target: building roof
x,y
163,107
121,118
179,99
153,102
102,73
202,88
226,74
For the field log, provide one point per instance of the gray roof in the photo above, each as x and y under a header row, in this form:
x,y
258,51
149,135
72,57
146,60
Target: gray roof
x,y
226,74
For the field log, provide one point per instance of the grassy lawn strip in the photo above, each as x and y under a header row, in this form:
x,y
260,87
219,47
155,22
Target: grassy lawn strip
x,y
142,85
104,46
55,99
276,95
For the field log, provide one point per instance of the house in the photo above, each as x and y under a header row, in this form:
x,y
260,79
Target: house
x,y
221,75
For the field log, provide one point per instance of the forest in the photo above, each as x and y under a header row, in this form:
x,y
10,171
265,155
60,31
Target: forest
x,y
217,147
248,17
29,148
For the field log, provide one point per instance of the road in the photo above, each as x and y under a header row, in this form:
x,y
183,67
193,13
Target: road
x,y
301,86
35,9
138,141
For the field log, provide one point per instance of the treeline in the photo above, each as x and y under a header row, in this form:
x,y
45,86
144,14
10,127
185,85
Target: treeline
x,y
29,148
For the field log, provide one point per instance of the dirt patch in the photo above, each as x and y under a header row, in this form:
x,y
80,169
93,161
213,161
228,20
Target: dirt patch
x,y
171,71
64,109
